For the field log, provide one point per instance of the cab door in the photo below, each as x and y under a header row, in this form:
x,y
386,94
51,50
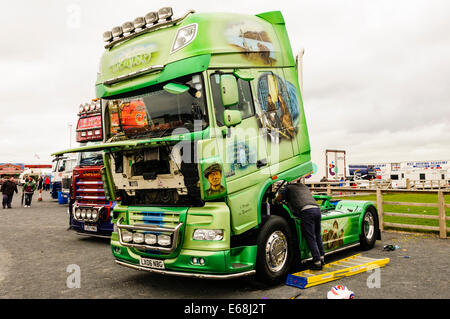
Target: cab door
x,y
275,118
242,150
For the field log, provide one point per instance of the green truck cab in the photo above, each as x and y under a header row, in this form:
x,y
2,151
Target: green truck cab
x,y
203,116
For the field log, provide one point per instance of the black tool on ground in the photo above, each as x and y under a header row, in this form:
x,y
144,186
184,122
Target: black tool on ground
x,y
390,247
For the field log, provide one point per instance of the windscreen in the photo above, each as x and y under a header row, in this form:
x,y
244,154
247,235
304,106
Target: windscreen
x,y
154,112
91,158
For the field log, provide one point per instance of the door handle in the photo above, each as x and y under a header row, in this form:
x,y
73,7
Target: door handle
x,y
262,162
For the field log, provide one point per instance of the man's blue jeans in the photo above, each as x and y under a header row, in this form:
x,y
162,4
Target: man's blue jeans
x,y
311,230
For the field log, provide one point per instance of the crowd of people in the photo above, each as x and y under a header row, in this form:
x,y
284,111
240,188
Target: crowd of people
x,y
9,187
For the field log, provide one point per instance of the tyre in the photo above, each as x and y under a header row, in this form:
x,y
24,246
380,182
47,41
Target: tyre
x,y
369,229
275,251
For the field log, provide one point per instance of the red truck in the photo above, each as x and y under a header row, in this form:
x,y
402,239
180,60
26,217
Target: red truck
x,y
89,208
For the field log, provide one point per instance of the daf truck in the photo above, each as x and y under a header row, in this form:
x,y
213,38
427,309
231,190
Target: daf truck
x,y
204,119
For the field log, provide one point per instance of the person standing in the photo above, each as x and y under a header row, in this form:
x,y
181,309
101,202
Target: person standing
x,y
8,189
40,182
47,183
28,188
303,205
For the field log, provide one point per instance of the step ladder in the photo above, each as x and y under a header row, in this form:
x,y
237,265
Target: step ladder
x,y
335,270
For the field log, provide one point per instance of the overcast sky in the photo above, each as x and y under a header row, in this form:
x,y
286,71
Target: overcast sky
x,y
376,73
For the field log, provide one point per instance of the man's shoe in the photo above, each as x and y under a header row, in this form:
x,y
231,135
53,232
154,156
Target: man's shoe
x,y
316,266
322,260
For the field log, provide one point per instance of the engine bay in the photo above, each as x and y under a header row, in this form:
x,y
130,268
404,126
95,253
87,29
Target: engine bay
x,y
159,175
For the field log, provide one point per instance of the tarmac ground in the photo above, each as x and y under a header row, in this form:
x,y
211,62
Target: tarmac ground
x,y
38,256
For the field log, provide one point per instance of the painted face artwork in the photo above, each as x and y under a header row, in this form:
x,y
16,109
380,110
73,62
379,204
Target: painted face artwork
x,y
213,175
214,179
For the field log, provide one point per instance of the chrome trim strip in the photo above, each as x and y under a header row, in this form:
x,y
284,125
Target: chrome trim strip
x,y
93,235
175,231
149,29
89,182
190,275
151,69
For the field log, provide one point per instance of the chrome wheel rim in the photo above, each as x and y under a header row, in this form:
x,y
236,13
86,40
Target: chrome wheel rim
x,y
369,226
276,251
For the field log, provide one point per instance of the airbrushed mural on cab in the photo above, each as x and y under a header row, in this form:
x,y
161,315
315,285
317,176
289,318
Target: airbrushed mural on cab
x,y
278,100
213,179
253,40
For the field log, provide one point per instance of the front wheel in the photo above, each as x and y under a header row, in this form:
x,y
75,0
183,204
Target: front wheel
x,y
369,229
275,252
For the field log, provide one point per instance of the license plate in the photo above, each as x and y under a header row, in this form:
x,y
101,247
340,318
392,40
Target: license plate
x,y
90,227
152,263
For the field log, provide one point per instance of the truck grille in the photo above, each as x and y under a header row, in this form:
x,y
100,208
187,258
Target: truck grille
x,y
89,192
161,219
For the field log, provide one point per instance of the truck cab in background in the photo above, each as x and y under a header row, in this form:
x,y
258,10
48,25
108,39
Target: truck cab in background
x,y
89,211
62,166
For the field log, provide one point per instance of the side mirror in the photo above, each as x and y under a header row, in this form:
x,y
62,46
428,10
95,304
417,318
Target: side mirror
x,y
228,90
232,118
175,88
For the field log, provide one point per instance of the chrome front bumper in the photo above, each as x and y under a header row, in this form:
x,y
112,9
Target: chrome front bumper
x,y
189,275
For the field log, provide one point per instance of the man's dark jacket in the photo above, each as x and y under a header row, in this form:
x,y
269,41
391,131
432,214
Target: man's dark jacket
x,y
9,188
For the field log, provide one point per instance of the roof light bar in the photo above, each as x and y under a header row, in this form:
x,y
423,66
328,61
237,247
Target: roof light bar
x,y
150,22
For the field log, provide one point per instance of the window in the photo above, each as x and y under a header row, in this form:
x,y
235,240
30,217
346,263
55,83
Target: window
x,y
442,176
154,112
394,177
422,177
245,104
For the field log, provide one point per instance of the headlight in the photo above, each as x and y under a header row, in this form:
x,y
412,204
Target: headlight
x,y
127,236
94,214
88,214
208,234
150,239
83,213
164,240
184,36
138,238
77,213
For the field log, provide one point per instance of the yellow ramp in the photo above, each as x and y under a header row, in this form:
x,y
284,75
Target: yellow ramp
x,y
336,270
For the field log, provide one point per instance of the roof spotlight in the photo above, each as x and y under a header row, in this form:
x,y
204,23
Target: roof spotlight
x,y
128,27
151,17
117,32
139,23
86,107
107,36
165,13
81,108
